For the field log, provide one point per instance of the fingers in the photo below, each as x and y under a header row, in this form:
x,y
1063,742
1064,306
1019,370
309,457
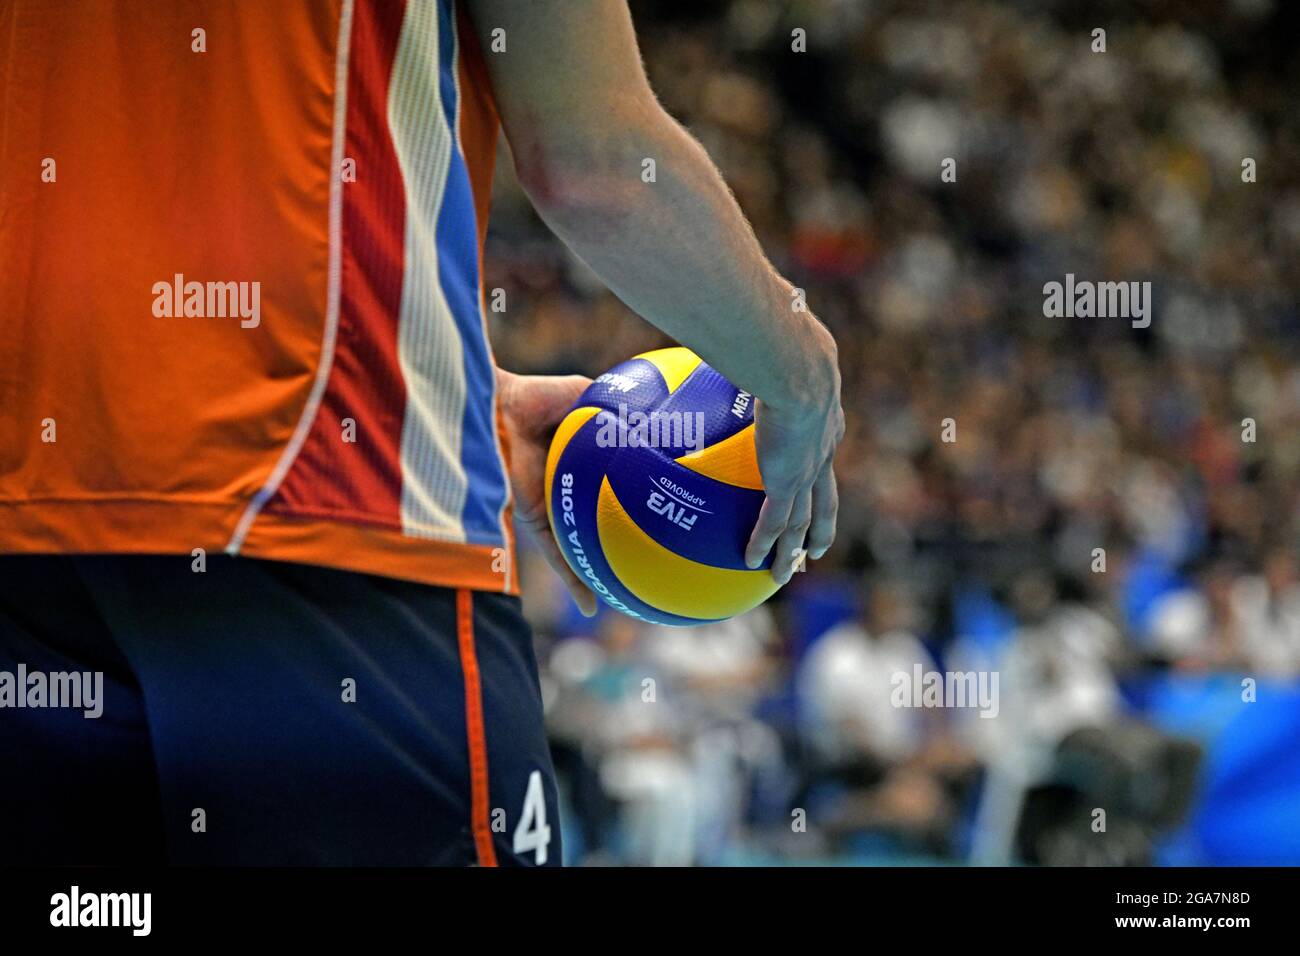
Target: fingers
x,y
582,595
790,551
772,519
825,511
804,519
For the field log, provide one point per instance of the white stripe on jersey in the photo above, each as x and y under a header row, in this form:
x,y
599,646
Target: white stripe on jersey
x,y
429,348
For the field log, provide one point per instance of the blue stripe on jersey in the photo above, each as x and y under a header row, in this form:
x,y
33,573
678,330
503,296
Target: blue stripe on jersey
x,y
458,270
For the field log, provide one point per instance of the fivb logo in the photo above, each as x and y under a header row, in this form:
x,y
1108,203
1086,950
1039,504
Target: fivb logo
x,y
653,429
1099,300
931,689
201,300
673,502
74,908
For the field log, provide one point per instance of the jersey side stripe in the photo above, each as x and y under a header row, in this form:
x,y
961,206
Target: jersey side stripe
x,y
330,333
434,482
360,480
477,132
481,455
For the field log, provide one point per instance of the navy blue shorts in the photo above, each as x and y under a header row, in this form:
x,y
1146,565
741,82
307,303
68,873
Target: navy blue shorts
x,y
265,713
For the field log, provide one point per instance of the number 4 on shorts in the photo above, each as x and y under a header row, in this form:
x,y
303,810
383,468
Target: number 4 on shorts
x,y
532,833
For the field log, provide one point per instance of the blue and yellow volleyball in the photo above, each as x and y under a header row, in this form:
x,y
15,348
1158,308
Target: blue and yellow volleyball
x,y
653,488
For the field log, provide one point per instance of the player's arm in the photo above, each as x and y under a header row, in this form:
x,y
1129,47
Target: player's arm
x,y
582,121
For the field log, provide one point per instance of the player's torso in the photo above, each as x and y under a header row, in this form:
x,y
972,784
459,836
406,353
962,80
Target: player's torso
x,y
241,271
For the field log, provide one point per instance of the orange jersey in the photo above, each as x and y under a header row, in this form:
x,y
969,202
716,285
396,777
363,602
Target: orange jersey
x,y
240,285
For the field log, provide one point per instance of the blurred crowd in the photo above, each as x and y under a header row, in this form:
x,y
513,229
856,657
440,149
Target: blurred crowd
x,y
1115,501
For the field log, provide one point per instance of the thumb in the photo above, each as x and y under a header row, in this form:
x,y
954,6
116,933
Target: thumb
x,y
551,396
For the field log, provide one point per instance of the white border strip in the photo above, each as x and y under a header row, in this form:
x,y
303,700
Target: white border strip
x,y
326,363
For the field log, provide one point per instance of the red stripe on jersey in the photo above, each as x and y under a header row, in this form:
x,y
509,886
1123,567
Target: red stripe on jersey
x,y
362,480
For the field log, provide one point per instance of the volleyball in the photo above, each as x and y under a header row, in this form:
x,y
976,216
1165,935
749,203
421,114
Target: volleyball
x,y
653,488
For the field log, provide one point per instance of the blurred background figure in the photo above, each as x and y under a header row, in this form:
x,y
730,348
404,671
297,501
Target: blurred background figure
x,y
898,768
1114,530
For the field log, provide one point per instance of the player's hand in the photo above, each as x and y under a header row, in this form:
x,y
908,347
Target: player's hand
x,y
531,407
796,455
